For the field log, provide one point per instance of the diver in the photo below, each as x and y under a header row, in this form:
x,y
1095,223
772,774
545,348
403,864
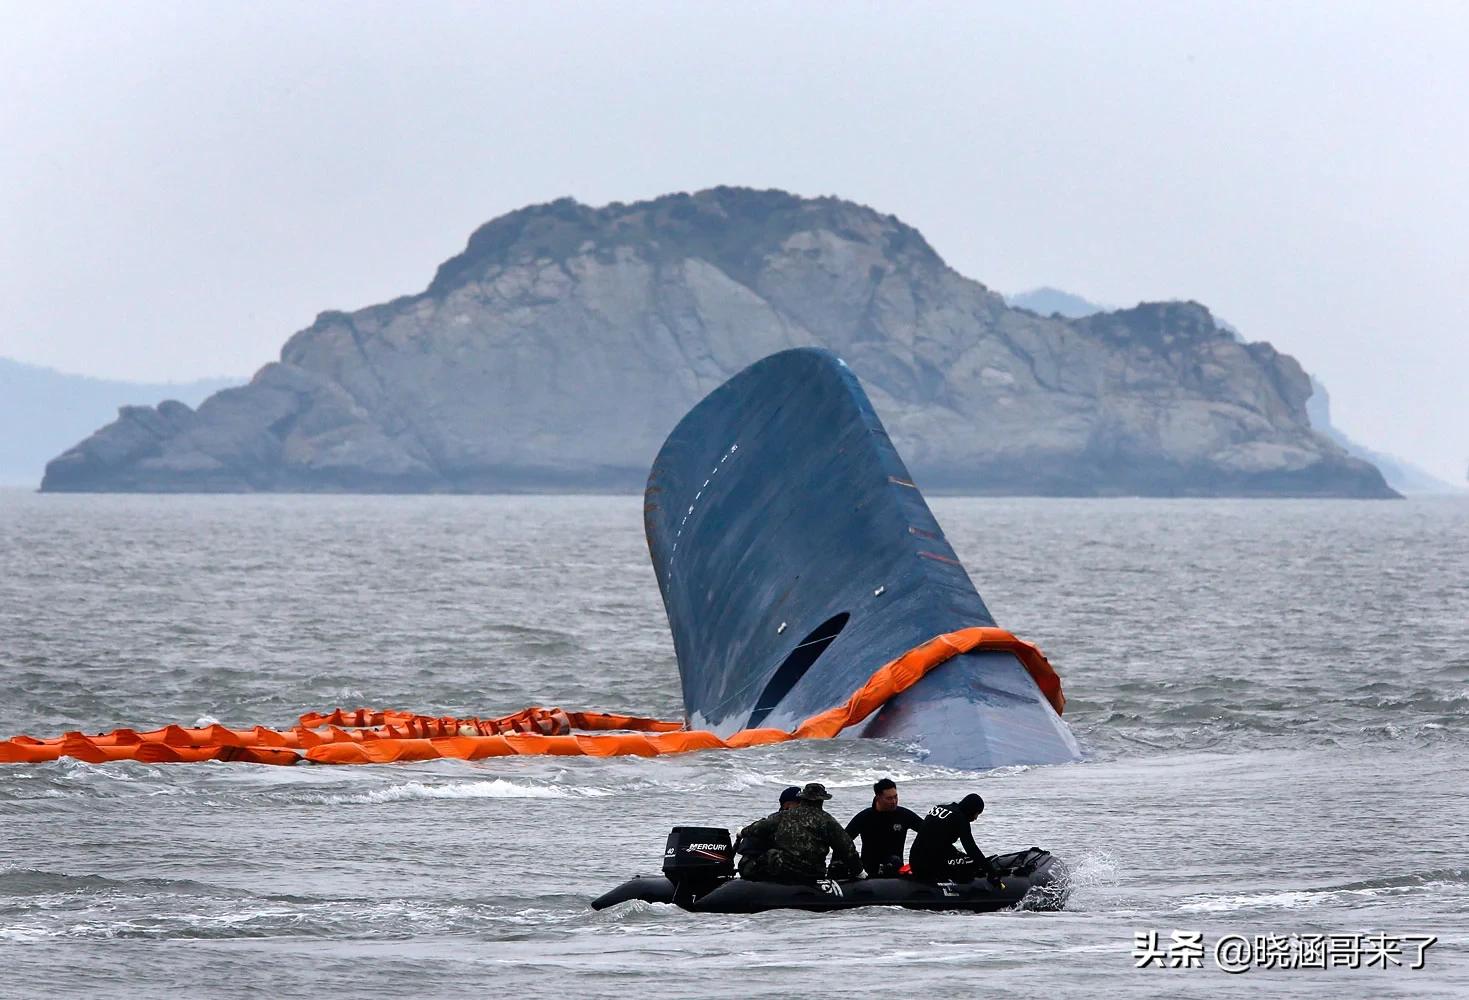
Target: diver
x,y
752,848
800,839
883,827
934,857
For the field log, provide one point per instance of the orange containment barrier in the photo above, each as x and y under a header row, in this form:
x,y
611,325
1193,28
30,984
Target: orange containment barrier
x,y
368,736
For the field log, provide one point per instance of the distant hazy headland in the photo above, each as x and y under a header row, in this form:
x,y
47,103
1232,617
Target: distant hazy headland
x,y
1401,475
43,411
562,345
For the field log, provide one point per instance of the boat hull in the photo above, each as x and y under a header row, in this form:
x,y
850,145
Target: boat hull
x,y
795,556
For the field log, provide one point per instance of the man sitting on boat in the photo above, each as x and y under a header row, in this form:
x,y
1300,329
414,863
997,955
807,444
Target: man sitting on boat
x,y
883,827
752,848
934,857
800,839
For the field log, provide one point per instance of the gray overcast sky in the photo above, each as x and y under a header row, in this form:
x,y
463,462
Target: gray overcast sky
x,y
184,185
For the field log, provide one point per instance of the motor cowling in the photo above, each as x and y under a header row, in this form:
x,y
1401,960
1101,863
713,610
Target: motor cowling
x,y
696,859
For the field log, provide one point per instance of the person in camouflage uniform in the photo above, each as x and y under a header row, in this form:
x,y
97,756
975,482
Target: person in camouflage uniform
x,y
753,848
800,839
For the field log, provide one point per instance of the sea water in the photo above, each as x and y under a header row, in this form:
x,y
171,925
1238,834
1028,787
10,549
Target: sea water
x,y
1272,697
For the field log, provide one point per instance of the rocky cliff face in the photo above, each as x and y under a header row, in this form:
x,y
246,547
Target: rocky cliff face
x,y
558,350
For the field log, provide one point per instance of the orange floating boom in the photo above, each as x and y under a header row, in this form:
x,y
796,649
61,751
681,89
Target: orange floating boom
x,y
367,736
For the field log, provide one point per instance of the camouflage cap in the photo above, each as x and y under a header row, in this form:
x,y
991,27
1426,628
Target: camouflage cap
x,y
815,791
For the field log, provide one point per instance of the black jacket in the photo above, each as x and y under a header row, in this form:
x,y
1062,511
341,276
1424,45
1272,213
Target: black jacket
x,y
883,834
935,841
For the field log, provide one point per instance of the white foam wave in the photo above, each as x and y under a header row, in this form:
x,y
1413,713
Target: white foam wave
x,y
1088,879
1287,900
253,919
26,935
497,788
1274,900
1092,868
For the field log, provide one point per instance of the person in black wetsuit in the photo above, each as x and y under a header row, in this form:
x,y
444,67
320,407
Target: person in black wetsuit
x,y
883,827
934,857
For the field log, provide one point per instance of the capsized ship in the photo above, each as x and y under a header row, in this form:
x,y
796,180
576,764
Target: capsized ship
x,y
796,555
810,592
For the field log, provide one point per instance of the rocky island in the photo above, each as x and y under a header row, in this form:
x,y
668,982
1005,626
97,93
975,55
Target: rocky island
x,y
557,351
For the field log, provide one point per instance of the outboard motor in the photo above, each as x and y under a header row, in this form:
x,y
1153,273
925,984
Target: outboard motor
x,y
696,859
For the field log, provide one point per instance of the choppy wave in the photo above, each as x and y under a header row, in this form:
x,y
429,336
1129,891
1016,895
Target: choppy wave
x,y
17,881
496,788
1351,895
1237,673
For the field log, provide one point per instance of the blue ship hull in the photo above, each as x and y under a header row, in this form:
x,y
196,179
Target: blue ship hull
x,y
796,556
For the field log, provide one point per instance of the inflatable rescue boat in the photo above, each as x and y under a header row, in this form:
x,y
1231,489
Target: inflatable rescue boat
x,y
698,875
